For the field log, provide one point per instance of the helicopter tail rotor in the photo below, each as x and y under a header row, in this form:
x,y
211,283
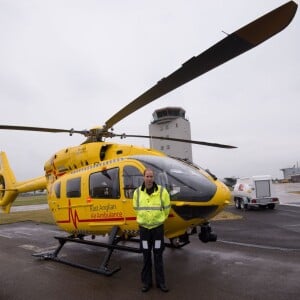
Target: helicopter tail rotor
x,y
8,192
10,188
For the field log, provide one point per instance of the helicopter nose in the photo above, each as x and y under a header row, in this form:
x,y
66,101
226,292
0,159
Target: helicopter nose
x,y
204,209
188,212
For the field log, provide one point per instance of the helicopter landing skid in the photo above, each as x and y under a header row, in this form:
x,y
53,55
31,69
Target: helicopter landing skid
x,y
104,269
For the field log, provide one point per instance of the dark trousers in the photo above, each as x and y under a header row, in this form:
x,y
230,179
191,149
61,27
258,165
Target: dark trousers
x,y
152,240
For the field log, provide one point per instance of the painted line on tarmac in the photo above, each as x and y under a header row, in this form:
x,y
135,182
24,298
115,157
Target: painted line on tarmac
x,y
8,236
297,204
36,248
258,246
292,225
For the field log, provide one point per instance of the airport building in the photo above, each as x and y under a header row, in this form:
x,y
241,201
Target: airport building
x,y
171,122
291,174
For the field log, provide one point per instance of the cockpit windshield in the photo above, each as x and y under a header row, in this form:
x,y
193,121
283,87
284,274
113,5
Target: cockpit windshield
x,y
184,182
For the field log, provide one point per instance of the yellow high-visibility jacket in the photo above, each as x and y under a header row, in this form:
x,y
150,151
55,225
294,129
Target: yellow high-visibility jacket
x,y
152,210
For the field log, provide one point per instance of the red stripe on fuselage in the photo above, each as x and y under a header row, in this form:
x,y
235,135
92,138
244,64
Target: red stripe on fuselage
x,y
74,218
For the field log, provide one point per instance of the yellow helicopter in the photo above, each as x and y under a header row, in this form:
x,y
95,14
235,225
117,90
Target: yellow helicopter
x,y
90,186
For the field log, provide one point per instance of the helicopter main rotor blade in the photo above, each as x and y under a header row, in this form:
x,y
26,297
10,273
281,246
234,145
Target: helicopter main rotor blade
x,y
174,139
41,129
233,45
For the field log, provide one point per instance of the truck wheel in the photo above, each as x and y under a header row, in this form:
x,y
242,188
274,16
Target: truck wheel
x,y
271,206
243,205
237,203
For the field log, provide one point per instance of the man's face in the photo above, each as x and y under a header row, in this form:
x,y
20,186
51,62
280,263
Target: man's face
x,y
148,179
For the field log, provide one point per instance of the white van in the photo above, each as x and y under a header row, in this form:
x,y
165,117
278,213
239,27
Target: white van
x,y
255,191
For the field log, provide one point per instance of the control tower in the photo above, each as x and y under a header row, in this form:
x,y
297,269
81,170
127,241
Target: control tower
x,y
171,122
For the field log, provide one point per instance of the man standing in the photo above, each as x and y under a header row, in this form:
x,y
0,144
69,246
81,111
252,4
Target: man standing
x,y
152,205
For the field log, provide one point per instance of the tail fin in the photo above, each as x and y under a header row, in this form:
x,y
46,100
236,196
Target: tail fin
x,y
10,188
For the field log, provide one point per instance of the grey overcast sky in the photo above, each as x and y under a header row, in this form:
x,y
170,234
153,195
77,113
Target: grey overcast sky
x,y
73,64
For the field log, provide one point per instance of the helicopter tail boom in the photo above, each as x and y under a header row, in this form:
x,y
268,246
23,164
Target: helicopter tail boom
x,y
10,188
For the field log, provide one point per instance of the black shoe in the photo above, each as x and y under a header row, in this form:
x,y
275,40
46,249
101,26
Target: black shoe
x,y
146,288
163,288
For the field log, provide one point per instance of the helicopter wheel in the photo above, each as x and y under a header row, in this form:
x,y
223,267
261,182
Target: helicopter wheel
x,y
206,234
180,241
175,242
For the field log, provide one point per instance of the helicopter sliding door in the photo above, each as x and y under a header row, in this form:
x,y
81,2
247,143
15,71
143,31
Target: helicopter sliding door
x,y
104,190
132,178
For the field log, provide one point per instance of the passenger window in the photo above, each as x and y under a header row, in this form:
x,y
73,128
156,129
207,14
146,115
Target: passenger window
x,y
132,178
105,184
57,189
73,188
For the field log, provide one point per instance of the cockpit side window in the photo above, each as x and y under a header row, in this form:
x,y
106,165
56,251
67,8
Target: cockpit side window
x,y
132,178
182,180
105,184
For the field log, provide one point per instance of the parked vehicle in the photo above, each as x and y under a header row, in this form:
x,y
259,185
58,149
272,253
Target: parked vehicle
x,y
255,191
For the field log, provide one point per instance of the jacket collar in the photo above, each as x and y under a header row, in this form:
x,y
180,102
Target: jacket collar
x,y
155,187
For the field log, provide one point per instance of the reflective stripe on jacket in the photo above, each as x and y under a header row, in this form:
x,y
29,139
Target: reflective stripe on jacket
x,y
152,210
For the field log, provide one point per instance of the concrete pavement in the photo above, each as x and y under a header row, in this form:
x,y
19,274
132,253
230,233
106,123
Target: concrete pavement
x,y
256,257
